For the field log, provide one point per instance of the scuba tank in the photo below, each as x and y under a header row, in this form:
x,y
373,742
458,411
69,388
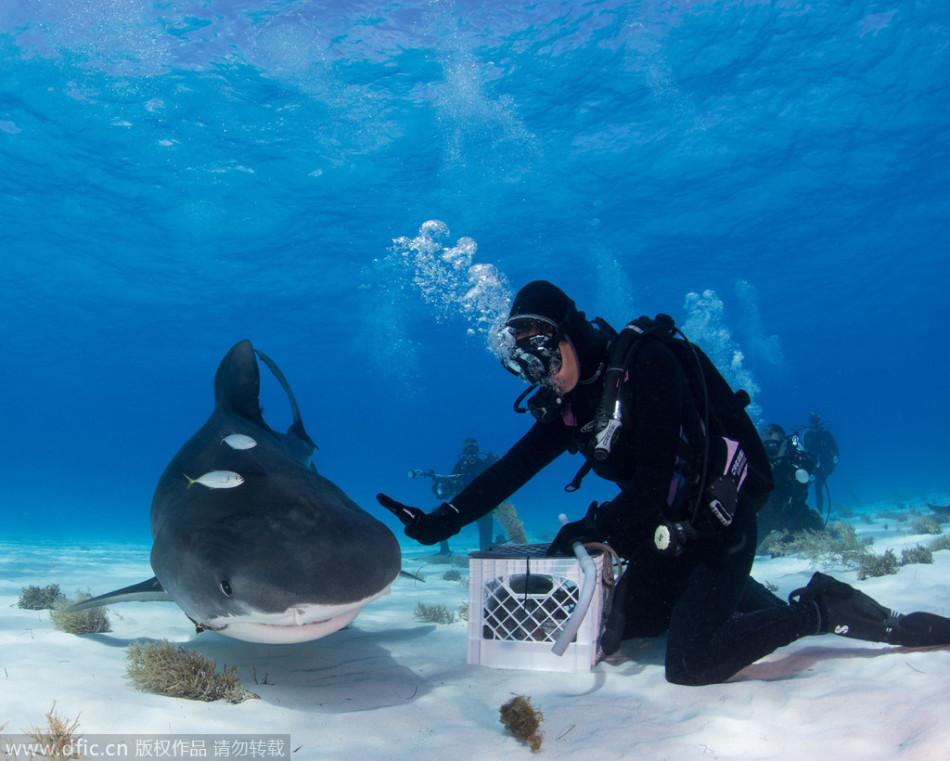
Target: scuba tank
x,y
723,416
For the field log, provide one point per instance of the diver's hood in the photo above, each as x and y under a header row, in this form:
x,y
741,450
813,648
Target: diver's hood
x,y
541,300
545,302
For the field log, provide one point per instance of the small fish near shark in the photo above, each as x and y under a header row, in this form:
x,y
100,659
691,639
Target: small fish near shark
x,y
217,479
248,539
239,441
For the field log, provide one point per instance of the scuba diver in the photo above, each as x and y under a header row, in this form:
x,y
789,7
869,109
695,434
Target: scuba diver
x,y
793,471
820,443
470,463
685,514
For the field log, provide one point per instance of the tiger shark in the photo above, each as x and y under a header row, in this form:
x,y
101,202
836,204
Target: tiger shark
x,y
248,539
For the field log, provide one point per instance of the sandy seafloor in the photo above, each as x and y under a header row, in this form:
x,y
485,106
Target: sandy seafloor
x,y
392,687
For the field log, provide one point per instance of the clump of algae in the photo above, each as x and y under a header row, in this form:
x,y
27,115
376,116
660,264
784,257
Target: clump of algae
x,y
58,738
437,613
39,598
840,546
523,721
89,621
168,669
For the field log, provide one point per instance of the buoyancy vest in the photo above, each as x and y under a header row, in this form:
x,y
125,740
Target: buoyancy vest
x,y
734,459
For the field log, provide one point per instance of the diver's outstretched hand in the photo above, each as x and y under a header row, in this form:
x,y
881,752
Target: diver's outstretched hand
x,y
425,528
407,514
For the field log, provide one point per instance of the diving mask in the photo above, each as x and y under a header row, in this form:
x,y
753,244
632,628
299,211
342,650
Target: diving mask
x,y
773,448
535,359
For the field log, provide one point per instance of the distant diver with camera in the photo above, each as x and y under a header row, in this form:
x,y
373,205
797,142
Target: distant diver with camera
x,y
471,462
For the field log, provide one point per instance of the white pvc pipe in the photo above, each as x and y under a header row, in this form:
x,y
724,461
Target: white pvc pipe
x,y
583,603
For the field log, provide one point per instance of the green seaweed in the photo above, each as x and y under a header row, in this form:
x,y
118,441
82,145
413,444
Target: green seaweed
x,y
871,565
453,574
89,621
437,613
836,545
168,669
840,546
916,554
925,525
40,598
523,721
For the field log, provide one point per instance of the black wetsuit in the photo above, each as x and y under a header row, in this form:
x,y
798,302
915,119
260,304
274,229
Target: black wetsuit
x,y
820,443
658,404
695,596
787,509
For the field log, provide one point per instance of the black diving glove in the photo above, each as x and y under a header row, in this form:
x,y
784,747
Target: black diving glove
x,y
587,529
425,528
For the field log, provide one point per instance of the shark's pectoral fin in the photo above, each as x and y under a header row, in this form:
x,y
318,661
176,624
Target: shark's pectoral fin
x,y
146,591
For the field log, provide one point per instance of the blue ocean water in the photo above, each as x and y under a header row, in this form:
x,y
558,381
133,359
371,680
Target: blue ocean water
x,y
360,187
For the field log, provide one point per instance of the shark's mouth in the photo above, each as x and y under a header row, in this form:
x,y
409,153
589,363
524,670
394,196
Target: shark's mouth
x,y
278,634
300,623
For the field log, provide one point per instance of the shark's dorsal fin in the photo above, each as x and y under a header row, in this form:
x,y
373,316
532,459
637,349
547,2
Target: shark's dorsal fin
x,y
237,383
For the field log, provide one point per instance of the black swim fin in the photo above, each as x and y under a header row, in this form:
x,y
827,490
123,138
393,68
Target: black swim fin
x,y
849,613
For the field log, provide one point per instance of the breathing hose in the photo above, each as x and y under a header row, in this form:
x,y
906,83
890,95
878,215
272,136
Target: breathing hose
x,y
583,603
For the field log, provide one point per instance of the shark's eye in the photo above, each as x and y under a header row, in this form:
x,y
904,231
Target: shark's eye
x,y
226,588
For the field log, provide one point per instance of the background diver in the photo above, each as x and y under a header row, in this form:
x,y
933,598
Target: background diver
x,y
688,540
470,463
820,443
793,471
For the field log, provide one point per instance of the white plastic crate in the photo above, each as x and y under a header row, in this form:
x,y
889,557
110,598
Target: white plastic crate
x,y
519,601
